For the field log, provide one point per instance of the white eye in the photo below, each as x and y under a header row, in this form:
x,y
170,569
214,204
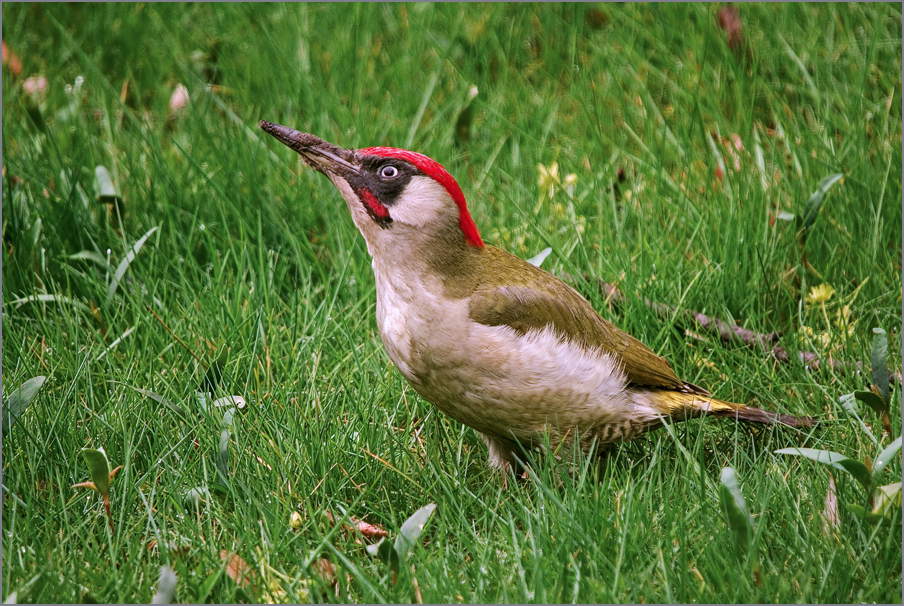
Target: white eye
x,y
389,171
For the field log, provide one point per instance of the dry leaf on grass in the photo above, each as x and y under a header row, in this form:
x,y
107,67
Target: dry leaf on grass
x,y
831,519
11,60
179,99
371,531
36,86
324,569
237,569
729,19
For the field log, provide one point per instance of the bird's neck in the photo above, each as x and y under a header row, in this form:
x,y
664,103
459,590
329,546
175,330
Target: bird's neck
x,y
440,256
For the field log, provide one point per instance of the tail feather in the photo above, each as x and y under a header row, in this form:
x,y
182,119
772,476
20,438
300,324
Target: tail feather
x,y
684,406
758,415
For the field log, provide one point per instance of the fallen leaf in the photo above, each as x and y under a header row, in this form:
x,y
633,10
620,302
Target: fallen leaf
x,y
324,569
729,19
369,530
365,528
35,86
179,99
237,569
11,60
887,498
831,519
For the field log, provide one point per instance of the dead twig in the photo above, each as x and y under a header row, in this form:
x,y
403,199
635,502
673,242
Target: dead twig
x,y
732,333
174,335
726,331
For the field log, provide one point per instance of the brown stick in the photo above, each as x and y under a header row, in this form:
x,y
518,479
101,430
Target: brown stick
x,y
727,332
174,335
106,498
732,333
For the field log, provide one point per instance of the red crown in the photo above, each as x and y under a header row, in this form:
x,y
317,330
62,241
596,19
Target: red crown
x,y
435,170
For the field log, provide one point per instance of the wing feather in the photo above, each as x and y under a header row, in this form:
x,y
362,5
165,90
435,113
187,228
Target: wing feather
x,y
547,302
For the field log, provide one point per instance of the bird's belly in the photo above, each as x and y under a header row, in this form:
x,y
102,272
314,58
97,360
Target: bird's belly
x,y
528,386
510,385
496,380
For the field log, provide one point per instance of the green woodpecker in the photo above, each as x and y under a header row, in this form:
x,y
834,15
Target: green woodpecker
x,y
492,341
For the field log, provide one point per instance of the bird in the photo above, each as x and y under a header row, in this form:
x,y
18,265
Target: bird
x,y
492,341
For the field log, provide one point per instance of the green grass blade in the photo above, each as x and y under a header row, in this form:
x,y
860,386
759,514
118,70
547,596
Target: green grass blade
x,y
879,363
16,402
412,529
886,456
856,469
735,509
875,402
126,261
47,298
98,468
816,199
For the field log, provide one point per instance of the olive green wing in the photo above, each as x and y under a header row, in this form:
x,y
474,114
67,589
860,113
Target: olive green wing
x,y
548,302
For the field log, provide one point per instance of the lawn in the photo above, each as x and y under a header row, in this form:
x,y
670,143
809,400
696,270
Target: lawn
x,y
202,258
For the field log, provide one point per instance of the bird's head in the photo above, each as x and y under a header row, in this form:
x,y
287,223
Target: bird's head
x,y
396,197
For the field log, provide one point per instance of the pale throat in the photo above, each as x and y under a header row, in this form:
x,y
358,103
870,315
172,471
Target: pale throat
x,y
365,225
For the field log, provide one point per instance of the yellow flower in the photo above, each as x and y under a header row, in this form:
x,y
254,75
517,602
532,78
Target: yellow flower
x,y
295,520
548,176
844,315
844,321
820,294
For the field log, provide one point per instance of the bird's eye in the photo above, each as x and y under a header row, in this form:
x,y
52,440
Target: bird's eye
x,y
389,171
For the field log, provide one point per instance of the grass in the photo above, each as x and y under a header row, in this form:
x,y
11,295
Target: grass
x,y
256,270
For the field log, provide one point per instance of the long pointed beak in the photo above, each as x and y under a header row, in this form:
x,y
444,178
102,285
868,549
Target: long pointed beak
x,y
317,153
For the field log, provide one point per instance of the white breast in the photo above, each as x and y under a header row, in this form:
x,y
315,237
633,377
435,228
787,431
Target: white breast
x,y
538,382
490,377
396,302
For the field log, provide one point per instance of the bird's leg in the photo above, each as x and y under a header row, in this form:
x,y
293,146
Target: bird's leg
x,y
501,456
